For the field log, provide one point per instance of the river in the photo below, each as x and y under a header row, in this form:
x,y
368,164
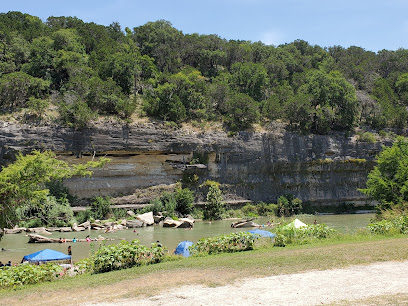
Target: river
x,y
17,245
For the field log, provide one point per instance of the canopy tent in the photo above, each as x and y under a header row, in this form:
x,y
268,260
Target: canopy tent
x,y
182,248
298,224
263,233
46,255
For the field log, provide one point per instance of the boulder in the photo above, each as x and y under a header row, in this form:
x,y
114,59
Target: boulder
x,y
157,219
97,226
65,229
169,222
147,218
186,223
86,224
78,228
244,223
131,213
134,223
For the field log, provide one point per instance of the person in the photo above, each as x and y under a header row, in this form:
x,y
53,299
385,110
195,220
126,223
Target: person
x,y
88,239
8,264
1,264
315,222
60,240
69,250
159,244
74,240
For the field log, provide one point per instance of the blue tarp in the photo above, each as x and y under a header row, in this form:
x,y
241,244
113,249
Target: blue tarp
x,y
182,248
46,255
263,233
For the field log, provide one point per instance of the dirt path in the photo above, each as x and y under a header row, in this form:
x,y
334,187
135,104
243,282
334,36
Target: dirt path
x,y
308,288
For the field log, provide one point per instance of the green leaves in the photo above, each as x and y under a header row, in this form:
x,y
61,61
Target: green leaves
x,y
121,256
388,181
24,180
234,242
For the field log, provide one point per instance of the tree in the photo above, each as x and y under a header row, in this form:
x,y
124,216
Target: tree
x,y
333,100
214,207
241,111
23,182
387,183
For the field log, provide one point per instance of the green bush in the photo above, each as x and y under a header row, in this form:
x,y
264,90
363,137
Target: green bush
x,y
170,203
214,207
395,225
121,256
303,234
100,207
184,200
50,212
28,274
234,242
250,210
156,206
288,206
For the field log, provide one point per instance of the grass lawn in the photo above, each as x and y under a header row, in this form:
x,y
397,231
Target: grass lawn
x,y
214,270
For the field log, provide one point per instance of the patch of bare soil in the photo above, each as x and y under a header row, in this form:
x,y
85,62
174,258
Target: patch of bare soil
x,y
309,288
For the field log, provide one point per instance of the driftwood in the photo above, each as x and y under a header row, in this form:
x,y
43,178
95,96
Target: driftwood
x,y
34,238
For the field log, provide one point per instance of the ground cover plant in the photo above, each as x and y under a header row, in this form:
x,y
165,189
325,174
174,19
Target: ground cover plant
x,y
121,256
233,242
27,274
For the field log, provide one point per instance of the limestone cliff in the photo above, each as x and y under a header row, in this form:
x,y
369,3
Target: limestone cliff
x,y
259,166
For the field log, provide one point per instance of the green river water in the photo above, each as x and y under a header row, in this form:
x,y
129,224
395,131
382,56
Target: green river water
x,y
17,245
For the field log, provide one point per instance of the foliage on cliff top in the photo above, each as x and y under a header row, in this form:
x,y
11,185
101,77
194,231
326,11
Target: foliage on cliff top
x,y
84,70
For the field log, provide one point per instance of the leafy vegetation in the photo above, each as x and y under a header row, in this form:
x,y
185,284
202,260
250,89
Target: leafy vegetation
x,y
121,256
214,207
28,274
23,190
288,206
388,181
289,234
233,242
85,70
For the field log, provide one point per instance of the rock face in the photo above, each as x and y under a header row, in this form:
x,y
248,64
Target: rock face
x,y
254,166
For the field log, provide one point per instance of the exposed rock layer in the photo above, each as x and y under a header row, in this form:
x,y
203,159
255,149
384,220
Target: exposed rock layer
x,y
256,166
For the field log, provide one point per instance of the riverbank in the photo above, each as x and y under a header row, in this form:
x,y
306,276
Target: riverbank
x,y
212,271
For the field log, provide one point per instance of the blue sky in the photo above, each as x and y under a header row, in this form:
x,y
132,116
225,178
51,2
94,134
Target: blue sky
x,y
371,24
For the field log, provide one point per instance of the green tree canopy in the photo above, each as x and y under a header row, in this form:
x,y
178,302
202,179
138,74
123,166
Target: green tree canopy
x,y
387,183
24,181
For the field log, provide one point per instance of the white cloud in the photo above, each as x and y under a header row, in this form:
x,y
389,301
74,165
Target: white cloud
x,y
272,37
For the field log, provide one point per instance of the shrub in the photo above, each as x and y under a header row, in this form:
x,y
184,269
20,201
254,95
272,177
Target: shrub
x,y
28,274
394,225
100,207
156,206
288,205
121,256
304,234
184,200
169,203
214,207
234,242
250,210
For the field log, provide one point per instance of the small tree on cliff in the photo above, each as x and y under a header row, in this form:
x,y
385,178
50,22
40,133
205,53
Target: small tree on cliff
x,y
214,207
24,181
388,181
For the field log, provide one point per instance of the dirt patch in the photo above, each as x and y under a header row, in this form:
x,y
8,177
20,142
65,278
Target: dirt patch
x,y
308,288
